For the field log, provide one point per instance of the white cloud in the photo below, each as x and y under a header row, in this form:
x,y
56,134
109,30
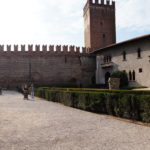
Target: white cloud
x,y
60,21
133,14
41,21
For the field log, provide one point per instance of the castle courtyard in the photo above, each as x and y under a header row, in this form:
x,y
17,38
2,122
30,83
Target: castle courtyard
x,y
43,125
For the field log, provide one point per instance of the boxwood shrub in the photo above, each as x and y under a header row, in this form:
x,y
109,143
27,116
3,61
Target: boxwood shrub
x,y
133,105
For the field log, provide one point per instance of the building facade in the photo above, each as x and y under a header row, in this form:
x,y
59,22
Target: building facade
x,y
67,66
132,56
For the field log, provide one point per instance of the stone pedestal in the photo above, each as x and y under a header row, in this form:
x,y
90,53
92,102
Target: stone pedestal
x,y
114,83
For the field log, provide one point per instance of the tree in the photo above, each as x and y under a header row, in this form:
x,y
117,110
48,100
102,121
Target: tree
x,y
123,77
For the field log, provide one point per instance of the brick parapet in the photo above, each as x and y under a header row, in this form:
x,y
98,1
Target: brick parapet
x,y
44,49
90,3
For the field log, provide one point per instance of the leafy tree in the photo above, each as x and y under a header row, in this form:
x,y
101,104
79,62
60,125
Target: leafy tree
x,y
123,77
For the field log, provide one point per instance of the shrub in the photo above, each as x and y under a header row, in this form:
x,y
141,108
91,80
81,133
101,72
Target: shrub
x,y
144,109
133,105
97,102
123,77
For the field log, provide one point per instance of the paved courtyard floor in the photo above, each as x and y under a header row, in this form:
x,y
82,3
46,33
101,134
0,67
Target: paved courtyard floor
x,y
42,125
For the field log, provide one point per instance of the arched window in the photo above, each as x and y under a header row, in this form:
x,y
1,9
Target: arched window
x,y
105,59
124,55
130,75
109,58
133,75
139,53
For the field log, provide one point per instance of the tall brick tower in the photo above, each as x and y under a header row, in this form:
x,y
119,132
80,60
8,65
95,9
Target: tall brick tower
x,y
99,24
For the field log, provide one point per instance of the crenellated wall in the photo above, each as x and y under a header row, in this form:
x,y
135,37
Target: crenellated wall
x,y
45,65
102,3
65,49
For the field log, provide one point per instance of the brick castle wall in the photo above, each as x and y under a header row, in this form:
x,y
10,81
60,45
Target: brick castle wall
x,y
45,65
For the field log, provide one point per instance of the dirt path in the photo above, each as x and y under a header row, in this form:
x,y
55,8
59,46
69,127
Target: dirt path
x,y
42,125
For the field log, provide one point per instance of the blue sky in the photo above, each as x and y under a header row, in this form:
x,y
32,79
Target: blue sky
x,y
61,21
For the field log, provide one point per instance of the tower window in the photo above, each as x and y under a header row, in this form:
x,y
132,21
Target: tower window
x,y
139,53
101,23
104,35
124,56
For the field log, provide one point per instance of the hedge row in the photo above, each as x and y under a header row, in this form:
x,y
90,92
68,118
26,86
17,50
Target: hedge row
x,y
97,90
130,106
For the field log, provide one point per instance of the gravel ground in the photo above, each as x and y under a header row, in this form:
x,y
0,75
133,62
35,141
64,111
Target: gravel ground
x,y
42,125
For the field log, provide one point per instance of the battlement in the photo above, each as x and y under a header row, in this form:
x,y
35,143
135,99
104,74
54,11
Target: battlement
x,y
58,49
99,23
100,3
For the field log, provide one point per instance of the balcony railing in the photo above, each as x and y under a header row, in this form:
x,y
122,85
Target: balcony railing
x,y
107,65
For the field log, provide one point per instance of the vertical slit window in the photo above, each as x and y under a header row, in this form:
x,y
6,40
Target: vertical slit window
x,y
130,75
139,53
124,55
133,75
105,59
109,58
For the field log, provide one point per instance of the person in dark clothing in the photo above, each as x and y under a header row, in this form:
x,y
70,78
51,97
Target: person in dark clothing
x,y
0,91
26,91
32,91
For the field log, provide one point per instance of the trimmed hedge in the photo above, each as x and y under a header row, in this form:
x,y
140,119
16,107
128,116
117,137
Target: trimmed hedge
x,y
133,105
145,92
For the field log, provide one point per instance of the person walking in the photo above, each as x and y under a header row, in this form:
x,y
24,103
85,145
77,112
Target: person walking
x,y
32,91
0,91
26,91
